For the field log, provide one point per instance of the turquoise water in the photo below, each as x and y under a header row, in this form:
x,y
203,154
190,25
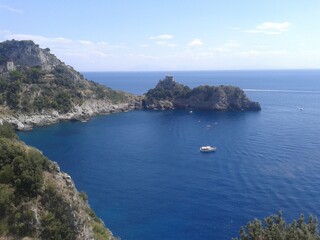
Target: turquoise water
x,y
146,178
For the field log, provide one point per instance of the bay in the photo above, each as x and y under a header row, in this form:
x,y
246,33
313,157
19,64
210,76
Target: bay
x,y
146,178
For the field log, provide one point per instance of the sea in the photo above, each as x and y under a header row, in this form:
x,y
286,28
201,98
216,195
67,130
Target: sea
x,y
147,180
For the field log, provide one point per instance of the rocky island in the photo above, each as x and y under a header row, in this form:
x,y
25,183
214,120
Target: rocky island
x,y
168,94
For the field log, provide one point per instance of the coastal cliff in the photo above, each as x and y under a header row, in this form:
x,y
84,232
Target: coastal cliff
x,y
37,200
36,88
168,94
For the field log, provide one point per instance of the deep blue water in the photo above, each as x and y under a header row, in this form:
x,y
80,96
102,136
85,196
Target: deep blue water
x,y
146,178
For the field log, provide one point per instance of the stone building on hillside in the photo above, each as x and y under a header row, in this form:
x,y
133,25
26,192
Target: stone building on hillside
x,y
10,66
169,77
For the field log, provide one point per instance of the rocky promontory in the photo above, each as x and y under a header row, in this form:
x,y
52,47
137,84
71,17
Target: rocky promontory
x,y
168,94
36,88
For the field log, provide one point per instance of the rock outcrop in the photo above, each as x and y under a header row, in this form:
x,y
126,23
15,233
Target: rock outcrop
x,y
28,54
168,94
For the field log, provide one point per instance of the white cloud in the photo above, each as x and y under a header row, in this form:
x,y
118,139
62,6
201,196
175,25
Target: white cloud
x,y
226,48
161,37
274,26
165,43
270,28
11,9
221,50
231,44
61,39
254,53
85,42
102,43
261,31
195,43
162,40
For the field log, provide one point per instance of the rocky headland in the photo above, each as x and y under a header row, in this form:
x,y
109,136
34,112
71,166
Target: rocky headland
x,y
36,88
37,200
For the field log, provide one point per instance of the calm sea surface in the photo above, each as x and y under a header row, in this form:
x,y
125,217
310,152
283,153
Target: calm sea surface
x,y
146,178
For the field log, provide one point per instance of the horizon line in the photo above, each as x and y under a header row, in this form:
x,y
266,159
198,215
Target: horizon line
x,y
216,70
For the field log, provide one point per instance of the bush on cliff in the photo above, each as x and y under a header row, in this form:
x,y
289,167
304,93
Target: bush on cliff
x,y
275,228
30,205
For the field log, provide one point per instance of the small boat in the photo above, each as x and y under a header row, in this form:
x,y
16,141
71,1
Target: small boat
x,y
207,149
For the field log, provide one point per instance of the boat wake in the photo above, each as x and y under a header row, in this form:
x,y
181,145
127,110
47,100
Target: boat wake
x,y
280,90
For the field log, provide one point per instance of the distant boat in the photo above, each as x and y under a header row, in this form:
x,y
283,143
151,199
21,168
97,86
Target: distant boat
x,y
207,149
191,112
300,108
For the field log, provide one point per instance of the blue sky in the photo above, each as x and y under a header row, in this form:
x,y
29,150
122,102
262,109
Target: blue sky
x,y
135,35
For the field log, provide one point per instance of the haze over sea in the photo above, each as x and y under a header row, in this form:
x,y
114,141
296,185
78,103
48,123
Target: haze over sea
x,y
146,178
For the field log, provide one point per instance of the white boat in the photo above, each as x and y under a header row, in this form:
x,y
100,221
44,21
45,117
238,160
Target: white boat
x,y
207,149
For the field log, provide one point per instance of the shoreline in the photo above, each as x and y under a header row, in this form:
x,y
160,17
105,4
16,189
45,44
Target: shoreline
x,y
84,112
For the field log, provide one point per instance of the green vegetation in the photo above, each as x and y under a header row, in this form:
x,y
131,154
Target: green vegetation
x,y
28,90
170,94
31,206
38,85
58,220
275,228
20,181
99,230
168,89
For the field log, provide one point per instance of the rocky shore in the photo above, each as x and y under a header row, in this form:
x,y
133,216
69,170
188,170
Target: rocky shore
x,y
89,109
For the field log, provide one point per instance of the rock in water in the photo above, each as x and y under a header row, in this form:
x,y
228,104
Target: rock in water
x,y
168,94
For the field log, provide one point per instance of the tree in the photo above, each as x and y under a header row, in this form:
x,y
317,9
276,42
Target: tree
x,y
275,228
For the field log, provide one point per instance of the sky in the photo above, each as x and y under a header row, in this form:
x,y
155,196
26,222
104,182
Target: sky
x,y
160,35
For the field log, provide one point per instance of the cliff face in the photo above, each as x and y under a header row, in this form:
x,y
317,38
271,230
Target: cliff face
x,y
28,54
33,82
169,94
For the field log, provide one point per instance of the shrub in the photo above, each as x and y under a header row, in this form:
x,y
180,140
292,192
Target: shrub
x,y
7,131
6,193
27,175
8,151
99,231
84,196
57,224
22,221
274,227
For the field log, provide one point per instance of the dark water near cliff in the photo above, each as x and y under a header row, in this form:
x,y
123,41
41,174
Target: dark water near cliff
x,y
146,178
